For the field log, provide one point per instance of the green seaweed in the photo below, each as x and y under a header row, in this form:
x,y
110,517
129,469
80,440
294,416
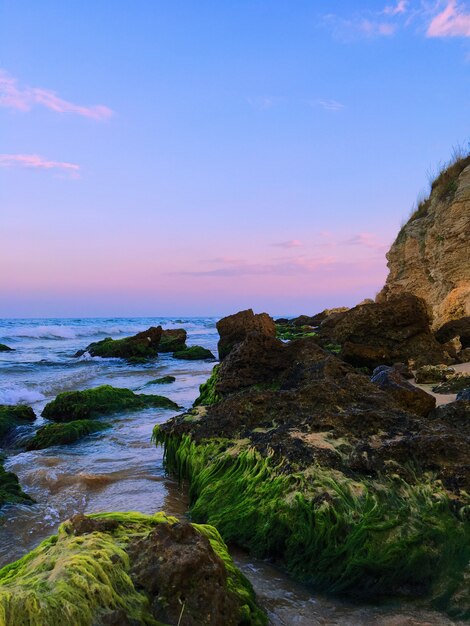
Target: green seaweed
x,y
165,380
368,537
12,416
207,393
290,331
78,580
10,490
64,433
104,400
194,353
125,348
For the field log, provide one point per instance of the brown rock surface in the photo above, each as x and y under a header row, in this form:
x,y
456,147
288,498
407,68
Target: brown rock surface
x,y
234,328
431,255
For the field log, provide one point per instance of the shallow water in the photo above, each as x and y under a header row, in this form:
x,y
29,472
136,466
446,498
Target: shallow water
x,y
120,469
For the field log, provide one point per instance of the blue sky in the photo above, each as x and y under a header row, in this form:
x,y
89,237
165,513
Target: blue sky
x,y
201,157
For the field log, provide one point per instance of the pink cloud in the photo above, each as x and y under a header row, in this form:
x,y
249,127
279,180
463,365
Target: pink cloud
x,y
451,22
397,9
24,98
35,161
292,243
373,28
367,240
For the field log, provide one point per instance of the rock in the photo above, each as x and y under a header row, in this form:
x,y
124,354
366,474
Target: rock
x,y
429,257
10,490
429,374
172,340
302,459
194,353
4,348
317,319
104,400
12,416
411,398
64,433
464,356
453,384
375,334
455,329
165,380
126,569
234,328
143,345
464,394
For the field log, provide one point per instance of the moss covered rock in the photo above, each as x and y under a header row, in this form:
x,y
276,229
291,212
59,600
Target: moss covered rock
x,y
10,490
104,400
207,392
453,384
12,416
194,353
64,433
142,345
164,380
128,568
289,331
172,340
4,348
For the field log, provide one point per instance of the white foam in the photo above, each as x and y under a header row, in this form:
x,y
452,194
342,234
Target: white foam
x,y
18,395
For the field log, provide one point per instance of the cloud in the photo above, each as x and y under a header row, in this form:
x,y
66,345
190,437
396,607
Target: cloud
x,y
35,161
367,240
330,105
292,243
24,98
398,9
372,28
278,267
451,22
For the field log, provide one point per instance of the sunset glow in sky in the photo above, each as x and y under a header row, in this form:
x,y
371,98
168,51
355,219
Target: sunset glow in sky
x,y
197,158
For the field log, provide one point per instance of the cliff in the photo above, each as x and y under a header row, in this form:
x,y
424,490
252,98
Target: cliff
x,y
431,254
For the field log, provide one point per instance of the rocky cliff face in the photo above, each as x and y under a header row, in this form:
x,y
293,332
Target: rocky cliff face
x,y
431,255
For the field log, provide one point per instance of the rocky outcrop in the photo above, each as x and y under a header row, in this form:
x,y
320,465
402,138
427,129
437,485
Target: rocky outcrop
x,y
430,256
298,456
172,340
98,401
234,328
125,569
143,345
395,330
194,353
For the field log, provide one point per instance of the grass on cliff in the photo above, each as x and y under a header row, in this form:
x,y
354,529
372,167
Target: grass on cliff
x,y
367,538
78,580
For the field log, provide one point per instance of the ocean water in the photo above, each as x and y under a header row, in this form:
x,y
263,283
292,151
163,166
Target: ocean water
x,y
120,469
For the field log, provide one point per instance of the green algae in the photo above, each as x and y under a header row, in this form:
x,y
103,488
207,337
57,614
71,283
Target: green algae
x,y
124,348
104,400
207,393
194,353
12,416
165,380
81,580
287,332
172,340
10,490
364,537
64,433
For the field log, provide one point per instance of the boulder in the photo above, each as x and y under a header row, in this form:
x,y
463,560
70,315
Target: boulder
x,y
234,328
172,340
164,380
143,345
430,374
10,490
64,433
455,329
194,353
125,569
464,356
406,395
104,400
453,384
395,330
4,348
12,416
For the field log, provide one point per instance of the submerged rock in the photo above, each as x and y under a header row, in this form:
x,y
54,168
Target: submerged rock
x,y
12,416
194,353
172,340
4,348
124,569
164,380
375,334
64,433
142,345
10,490
234,328
104,400
297,456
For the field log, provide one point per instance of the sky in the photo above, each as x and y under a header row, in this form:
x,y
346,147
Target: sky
x,y
171,157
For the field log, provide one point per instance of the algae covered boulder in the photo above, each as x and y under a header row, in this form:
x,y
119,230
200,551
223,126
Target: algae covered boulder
x,y
143,345
164,380
453,384
104,400
4,348
10,490
194,353
172,340
64,433
14,415
125,569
